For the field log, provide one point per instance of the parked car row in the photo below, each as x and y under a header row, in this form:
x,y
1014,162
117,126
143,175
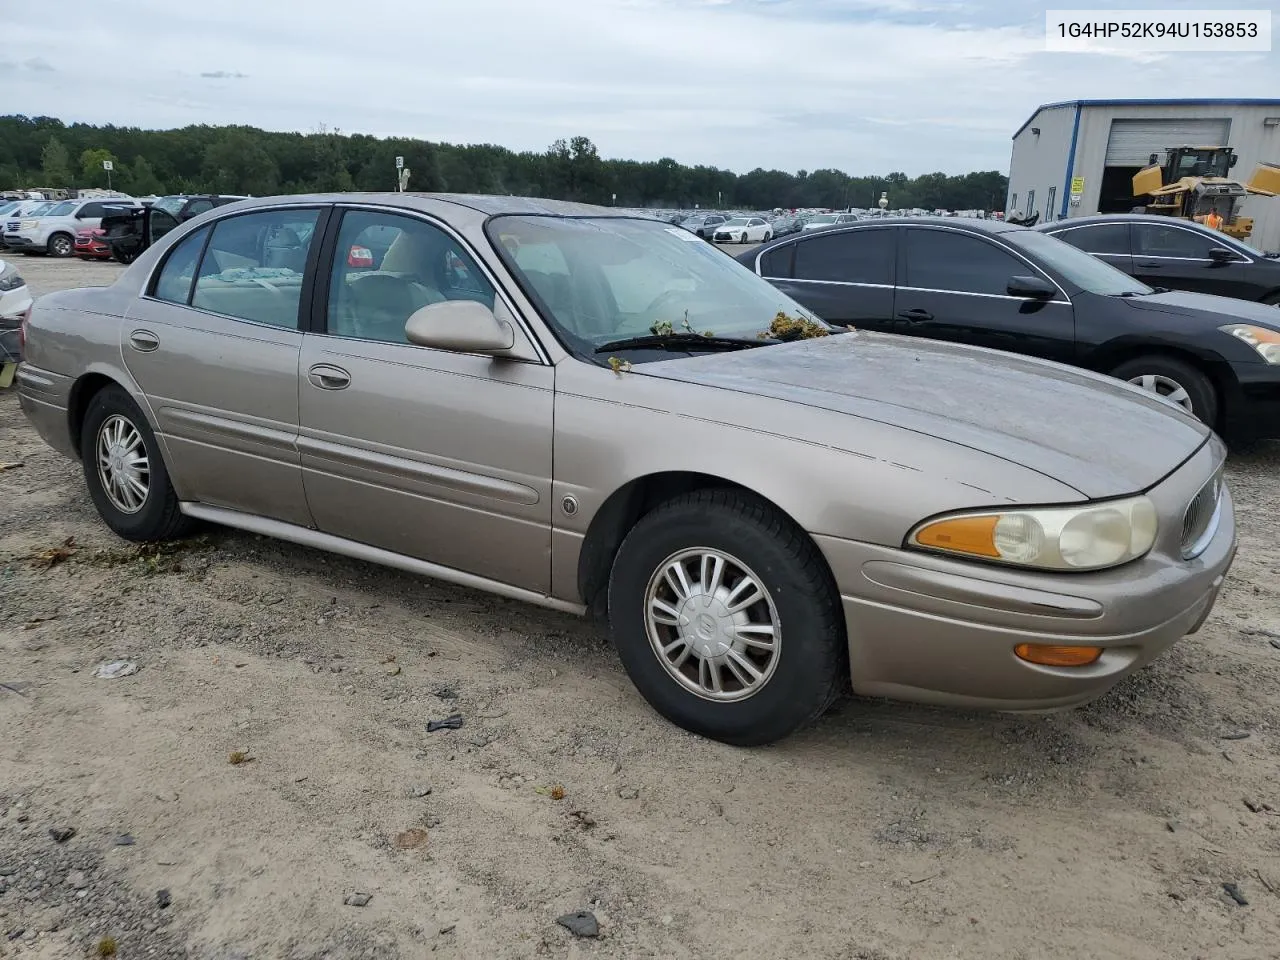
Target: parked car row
x,y
598,413
986,283
52,229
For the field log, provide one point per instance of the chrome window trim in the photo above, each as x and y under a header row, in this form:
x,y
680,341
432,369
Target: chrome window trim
x,y
838,283
989,296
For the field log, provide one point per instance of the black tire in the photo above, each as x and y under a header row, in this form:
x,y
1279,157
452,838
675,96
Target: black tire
x,y
124,256
812,657
1272,300
1199,388
159,517
61,245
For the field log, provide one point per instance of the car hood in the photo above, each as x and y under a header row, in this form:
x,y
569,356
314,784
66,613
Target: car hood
x,y
1188,304
1099,436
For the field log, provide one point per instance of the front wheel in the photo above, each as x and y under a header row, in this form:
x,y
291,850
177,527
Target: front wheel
x,y
1176,381
127,478
61,245
726,619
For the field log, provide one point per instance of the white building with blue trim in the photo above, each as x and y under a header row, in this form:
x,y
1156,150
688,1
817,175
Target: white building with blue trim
x,y
1078,157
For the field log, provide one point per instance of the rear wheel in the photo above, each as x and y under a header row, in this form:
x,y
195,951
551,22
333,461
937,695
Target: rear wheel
x,y
61,245
124,256
126,475
1176,381
726,619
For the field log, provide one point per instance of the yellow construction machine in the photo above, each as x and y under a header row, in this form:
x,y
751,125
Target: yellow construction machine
x,y
1193,181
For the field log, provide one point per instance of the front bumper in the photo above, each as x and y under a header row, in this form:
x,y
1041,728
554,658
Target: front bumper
x,y
934,630
1251,408
16,241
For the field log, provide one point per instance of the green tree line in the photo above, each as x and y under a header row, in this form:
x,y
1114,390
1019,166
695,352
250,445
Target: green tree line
x,y
45,152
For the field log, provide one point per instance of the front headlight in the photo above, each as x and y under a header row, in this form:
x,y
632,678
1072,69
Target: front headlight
x,y
1265,341
1092,537
10,280
28,224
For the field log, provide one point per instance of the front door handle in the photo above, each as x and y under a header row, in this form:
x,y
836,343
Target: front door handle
x,y
328,377
1151,266
144,340
916,316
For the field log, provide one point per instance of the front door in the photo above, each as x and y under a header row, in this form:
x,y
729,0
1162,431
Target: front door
x,y
217,360
954,286
1169,255
845,277
437,455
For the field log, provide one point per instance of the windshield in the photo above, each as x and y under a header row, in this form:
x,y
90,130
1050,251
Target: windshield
x,y
1083,269
606,279
170,205
824,218
736,222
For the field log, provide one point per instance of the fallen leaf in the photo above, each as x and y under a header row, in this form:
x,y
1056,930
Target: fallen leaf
x,y
10,466
411,839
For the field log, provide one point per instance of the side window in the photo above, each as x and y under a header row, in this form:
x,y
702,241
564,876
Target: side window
x,y
1105,238
90,211
1157,240
957,262
174,282
1031,202
777,262
1049,212
859,256
387,266
198,207
253,267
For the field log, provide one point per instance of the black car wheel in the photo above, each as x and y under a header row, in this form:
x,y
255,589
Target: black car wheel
x,y
726,618
124,256
61,245
1176,381
125,473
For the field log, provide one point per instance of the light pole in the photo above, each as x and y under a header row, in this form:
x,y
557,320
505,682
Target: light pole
x,y
399,174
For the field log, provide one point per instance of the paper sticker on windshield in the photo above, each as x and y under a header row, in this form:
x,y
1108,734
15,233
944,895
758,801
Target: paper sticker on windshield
x,y
684,234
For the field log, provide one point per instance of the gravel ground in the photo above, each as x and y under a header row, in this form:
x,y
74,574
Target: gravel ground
x,y
271,768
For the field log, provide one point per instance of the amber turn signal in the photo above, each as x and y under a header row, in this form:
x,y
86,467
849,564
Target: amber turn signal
x,y
1054,655
974,535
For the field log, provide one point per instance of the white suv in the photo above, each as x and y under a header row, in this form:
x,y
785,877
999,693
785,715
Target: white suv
x,y
54,232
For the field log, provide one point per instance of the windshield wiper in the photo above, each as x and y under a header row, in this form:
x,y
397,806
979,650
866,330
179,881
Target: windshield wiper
x,y
681,341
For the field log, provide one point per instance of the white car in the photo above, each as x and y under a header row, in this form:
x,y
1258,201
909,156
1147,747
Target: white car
x,y
743,230
15,298
824,220
54,232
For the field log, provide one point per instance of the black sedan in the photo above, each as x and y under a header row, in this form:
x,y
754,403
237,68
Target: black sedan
x,y
1179,254
1012,288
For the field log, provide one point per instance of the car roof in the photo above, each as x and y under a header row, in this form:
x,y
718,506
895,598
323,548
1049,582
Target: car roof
x,y
956,223
479,203
1115,218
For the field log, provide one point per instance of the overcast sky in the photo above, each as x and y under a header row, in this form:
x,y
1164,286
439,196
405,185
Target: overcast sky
x,y
868,86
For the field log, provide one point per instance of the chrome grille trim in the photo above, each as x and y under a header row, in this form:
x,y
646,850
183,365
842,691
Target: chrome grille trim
x,y
1203,514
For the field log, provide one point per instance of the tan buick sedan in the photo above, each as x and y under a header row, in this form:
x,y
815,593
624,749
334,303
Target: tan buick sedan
x,y
603,414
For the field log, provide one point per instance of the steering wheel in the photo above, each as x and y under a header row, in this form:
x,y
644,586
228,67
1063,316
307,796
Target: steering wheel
x,y
662,299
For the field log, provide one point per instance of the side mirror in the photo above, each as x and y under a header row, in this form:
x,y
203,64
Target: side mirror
x,y
1033,288
1234,160
1222,255
463,326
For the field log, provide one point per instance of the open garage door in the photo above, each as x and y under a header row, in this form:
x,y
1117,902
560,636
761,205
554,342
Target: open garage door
x,y
1133,141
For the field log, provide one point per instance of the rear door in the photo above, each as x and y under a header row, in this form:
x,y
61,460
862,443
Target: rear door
x,y
1107,241
1169,255
954,286
846,277
214,344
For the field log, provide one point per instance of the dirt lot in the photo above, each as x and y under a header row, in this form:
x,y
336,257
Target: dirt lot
x,y
887,832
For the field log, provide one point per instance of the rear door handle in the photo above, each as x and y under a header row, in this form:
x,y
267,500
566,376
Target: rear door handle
x,y
144,340
916,316
328,377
